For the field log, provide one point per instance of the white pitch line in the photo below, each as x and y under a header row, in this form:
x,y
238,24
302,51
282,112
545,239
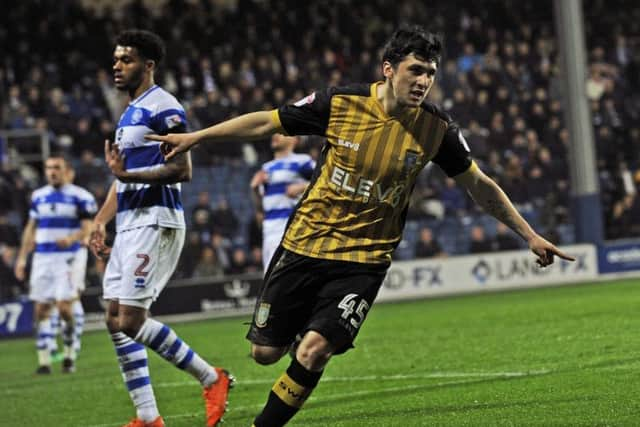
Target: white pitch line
x,y
435,375
432,375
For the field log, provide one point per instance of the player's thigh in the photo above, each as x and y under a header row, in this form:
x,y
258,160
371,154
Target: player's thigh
x,y
112,279
50,278
344,301
286,300
147,262
170,243
79,269
134,257
40,289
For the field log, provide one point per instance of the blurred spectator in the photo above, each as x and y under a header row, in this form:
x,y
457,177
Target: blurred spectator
x,y
427,246
479,241
505,239
222,246
239,263
10,287
208,264
9,235
255,230
190,255
202,217
91,170
255,260
223,220
453,198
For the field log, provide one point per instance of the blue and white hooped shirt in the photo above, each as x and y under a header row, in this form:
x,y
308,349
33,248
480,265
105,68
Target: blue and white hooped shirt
x,y
58,212
282,172
155,111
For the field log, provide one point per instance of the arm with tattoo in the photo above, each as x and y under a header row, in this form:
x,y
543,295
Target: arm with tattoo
x,y
177,169
495,202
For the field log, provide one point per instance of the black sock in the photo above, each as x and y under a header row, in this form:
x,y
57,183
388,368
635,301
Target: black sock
x,y
287,395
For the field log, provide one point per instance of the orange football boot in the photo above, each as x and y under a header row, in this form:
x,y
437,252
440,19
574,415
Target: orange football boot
x,y
215,397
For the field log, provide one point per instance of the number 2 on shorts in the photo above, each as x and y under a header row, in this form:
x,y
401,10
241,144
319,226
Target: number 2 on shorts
x,y
145,261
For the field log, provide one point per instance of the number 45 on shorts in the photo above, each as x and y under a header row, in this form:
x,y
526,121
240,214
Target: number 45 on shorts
x,y
349,309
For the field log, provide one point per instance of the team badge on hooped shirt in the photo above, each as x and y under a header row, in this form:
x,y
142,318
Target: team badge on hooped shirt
x,y
136,116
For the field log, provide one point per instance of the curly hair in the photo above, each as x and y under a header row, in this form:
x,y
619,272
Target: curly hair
x,y
149,45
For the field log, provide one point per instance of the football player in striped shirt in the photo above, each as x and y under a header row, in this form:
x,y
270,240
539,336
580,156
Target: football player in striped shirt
x,y
277,188
59,221
337,247
78,275
145,200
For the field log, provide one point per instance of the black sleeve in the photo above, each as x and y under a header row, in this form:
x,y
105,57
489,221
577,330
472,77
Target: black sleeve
x,y
309,116
84,215
181,128
454,156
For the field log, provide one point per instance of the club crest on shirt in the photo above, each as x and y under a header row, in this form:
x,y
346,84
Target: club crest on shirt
x,y
262,314
136,116
411,163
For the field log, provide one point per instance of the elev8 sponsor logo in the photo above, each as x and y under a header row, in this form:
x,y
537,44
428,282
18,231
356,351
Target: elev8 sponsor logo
x,y
369,190
504,269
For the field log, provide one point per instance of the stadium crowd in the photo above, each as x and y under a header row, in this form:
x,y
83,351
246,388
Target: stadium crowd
x,y
499,80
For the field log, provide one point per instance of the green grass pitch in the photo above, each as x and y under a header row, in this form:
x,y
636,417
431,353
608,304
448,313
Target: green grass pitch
x,y
566,356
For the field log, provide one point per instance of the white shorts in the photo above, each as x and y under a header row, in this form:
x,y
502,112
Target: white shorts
x,y
79,269
51,278
271,237
141,263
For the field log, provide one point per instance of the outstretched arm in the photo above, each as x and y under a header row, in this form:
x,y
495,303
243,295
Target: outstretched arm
x,y
247,127
495,202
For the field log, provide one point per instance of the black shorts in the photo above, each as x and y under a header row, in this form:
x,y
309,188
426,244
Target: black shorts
x,y
302,293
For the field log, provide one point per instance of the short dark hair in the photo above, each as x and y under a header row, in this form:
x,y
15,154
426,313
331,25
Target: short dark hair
x,y
60,155
149,45
413,39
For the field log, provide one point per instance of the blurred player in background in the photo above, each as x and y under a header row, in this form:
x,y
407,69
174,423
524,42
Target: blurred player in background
x,y
145,200
276,189
337,248
78,276
59,222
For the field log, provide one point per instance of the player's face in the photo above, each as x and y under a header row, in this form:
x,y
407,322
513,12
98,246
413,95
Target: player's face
x,y
281,142
128,68
55,171
411,79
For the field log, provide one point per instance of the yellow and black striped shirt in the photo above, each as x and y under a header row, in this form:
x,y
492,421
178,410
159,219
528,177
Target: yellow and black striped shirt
x,y
355,207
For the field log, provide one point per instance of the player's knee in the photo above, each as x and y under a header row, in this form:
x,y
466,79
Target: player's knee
x,y
266,355
314,353
112,323
130,328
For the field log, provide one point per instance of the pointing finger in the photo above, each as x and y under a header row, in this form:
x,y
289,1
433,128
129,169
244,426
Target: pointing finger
x,y
561,254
